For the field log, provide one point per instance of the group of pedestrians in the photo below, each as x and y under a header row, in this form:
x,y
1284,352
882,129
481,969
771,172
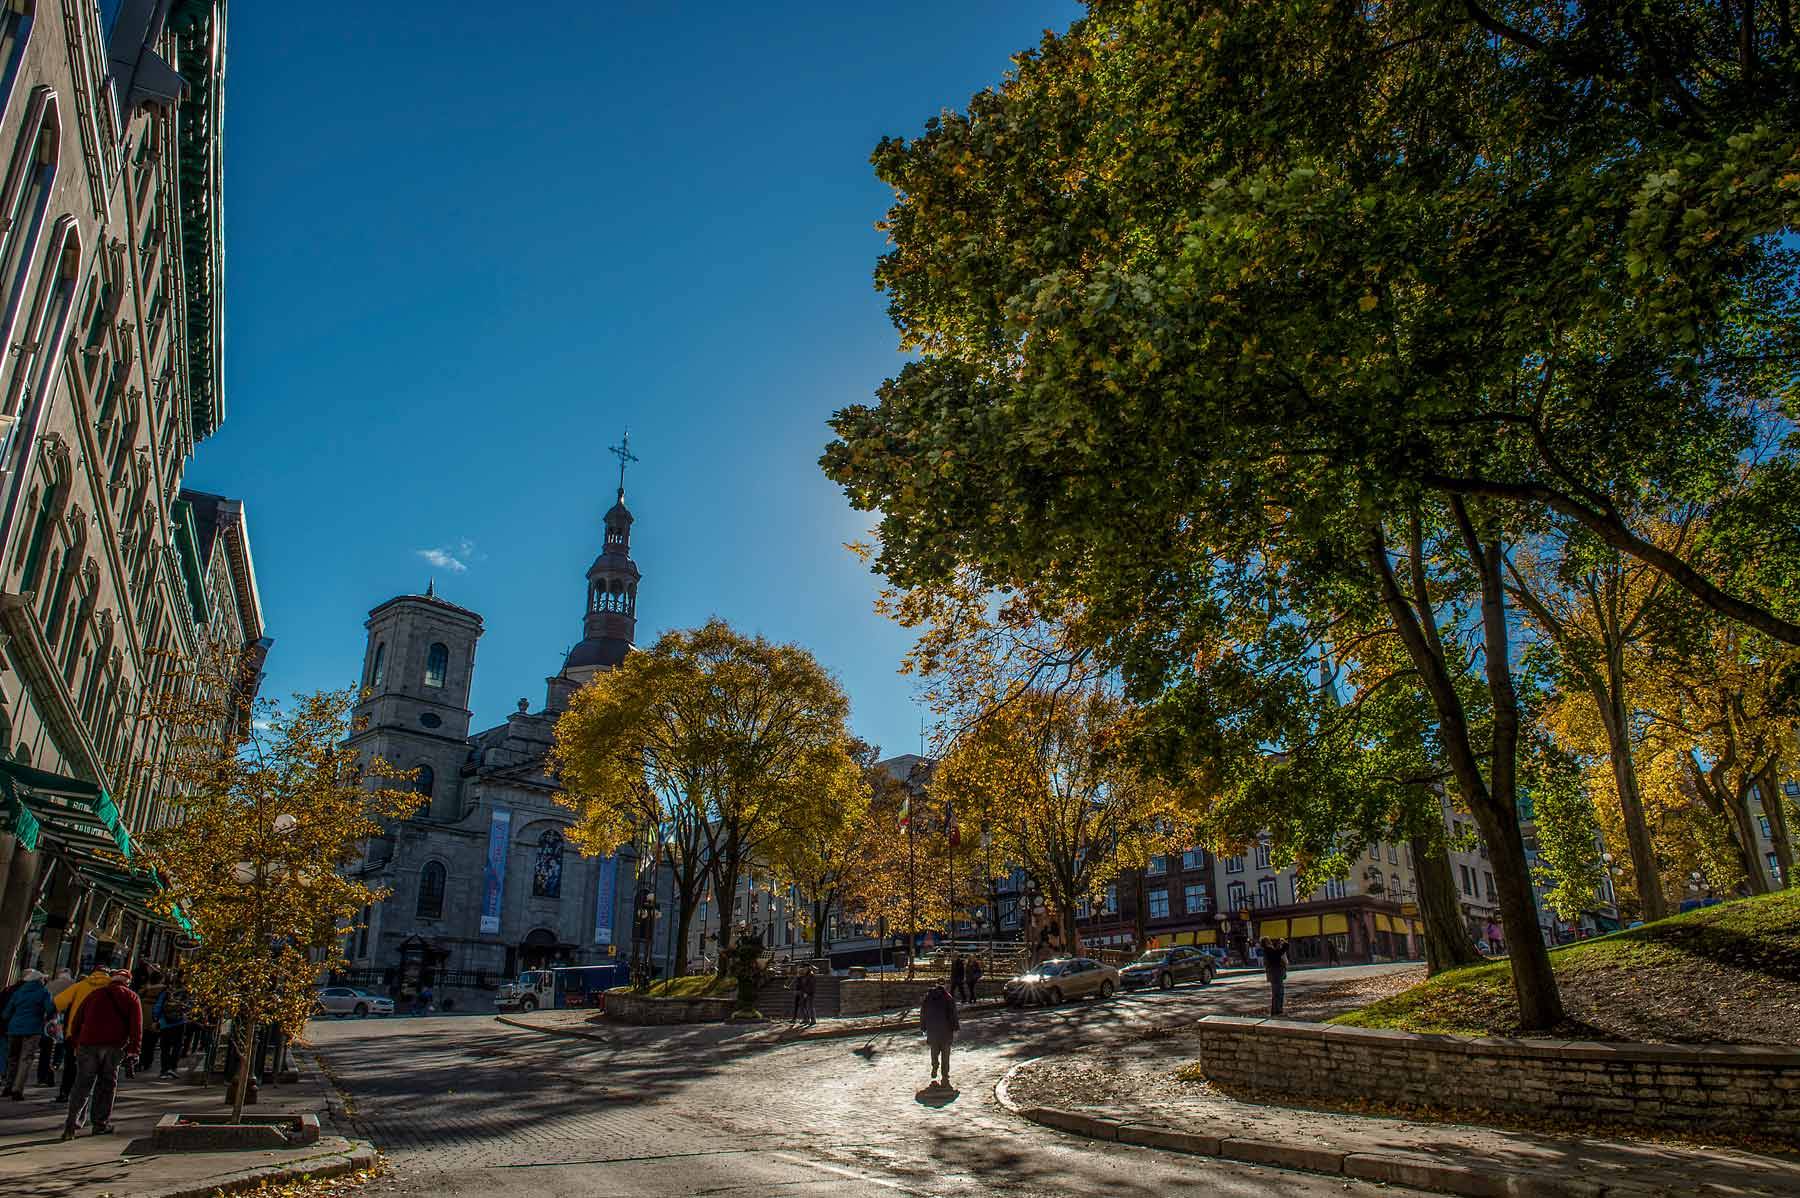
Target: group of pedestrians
x,y
806,990
89,1029
965,975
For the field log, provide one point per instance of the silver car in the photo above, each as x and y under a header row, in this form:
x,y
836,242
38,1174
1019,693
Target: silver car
x,y
348,1000
1065,978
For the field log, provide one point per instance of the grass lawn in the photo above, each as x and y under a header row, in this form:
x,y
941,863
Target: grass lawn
x,y
1727,974
698,985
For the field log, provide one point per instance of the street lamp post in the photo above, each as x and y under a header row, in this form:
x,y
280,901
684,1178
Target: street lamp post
x,y
647,907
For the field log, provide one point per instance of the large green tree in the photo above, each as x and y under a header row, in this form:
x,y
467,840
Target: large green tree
x,y
1200,274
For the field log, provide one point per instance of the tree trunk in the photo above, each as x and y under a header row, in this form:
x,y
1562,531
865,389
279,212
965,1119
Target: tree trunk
x,y
725,878
684,927
1756,872
1447,944
1615,715
1495,809
1141,913
240,1086
1709,789
821,909
1776,813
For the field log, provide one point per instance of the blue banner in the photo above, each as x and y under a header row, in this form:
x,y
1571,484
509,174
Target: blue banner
x,y
493,875
603,904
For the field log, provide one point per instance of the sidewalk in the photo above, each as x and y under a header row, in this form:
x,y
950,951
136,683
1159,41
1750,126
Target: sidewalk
x,y
1140,1099
34,1163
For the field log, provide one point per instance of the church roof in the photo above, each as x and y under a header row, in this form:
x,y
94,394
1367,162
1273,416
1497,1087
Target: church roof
x,y
607,651
430,596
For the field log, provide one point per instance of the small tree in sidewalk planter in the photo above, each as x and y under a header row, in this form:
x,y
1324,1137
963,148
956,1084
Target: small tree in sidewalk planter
x,y
270,804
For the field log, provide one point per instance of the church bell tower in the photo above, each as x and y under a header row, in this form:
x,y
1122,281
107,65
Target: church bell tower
x,y
609,622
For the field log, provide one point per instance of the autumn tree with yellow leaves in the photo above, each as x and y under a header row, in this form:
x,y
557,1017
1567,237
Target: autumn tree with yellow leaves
x,y
272,806
729,745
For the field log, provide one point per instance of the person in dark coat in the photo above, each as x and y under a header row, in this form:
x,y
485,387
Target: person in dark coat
x,y
1274,962
937,1017
27,1010
971,978
959,972
807,987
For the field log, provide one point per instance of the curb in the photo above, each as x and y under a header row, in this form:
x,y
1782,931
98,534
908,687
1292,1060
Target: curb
x,y
1395,1168
361,1155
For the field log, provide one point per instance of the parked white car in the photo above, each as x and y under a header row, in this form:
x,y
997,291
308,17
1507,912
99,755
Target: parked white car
x,y
348,1000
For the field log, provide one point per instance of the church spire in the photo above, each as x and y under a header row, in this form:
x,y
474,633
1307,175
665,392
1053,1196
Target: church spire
x,y
609,621
622,451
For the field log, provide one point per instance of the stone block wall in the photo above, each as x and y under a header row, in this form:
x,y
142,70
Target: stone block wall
x,y
1691,1088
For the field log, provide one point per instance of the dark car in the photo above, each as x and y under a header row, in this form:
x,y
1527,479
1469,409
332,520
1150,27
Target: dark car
x,y
1163,967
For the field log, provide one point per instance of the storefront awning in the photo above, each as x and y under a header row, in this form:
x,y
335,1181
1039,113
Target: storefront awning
x,y
1272,927
1305,925
81,819
77,815
1335,925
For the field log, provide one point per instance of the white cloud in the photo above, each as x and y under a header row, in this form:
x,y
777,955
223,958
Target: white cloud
x,y
455,558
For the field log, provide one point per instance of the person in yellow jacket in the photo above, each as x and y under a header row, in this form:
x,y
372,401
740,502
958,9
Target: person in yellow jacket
x,y
66,1003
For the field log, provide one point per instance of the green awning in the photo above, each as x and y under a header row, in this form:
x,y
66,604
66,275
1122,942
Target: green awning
x,y
78,815
82,819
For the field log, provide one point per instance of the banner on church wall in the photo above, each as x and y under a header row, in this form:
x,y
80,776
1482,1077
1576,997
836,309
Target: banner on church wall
x,y
607,898
494,873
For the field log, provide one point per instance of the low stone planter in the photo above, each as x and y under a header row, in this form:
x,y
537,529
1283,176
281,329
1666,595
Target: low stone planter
x,y
640,1009
181,1132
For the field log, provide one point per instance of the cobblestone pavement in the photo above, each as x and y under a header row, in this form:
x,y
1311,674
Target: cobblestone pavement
x,y
464,1105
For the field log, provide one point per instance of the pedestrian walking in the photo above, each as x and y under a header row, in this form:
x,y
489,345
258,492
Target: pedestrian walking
x,y
796,1015
959,973
149,995
106,1029
50,1045
937,1016
1274,962
23,1019
972,978
1331,951
68,1002
170,1015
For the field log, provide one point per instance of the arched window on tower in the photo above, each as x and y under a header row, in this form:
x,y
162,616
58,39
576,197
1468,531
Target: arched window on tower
x,y
431,891
378,670
424,782
437,664
546,873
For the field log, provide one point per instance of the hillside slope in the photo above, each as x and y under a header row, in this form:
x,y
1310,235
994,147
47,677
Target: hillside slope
x,y
1726,974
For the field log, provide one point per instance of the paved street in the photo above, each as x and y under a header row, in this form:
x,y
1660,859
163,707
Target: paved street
x,y
464,1105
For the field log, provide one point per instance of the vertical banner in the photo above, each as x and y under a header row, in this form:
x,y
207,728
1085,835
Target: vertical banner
x,y
606,899
493,875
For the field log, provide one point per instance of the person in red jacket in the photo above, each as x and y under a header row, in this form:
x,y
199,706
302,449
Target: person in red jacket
x,y
106,1026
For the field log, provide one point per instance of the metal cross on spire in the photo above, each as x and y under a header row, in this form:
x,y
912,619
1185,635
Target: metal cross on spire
x,y
622,451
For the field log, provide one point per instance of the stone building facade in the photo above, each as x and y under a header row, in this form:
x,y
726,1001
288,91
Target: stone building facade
x,y
483,883
110,291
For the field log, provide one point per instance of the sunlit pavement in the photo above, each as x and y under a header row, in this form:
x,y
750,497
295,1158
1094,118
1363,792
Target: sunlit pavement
x,y
469,1106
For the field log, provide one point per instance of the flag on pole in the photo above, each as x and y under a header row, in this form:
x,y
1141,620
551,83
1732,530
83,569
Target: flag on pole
x,y
905,813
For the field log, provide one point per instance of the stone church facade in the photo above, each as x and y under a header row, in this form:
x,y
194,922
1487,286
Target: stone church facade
x,y
483,883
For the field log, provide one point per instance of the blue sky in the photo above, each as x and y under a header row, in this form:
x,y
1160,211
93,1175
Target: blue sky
x,y
465,249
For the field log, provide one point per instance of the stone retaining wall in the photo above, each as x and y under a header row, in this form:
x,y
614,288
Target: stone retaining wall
x,y
637,1008
1689,1088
